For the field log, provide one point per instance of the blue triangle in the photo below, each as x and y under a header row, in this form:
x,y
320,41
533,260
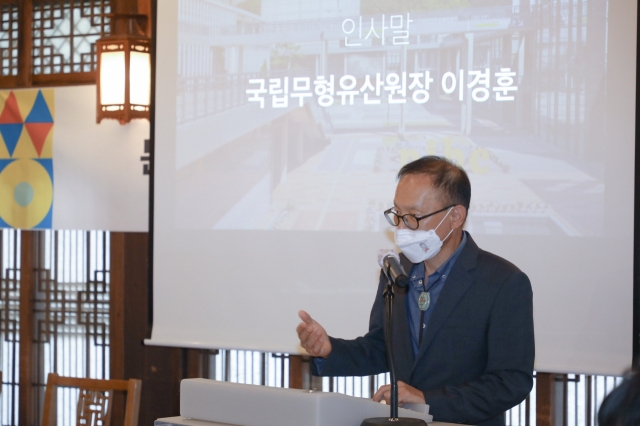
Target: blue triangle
x,y
47,163
47,222
4,224
40,112
11,134
4,163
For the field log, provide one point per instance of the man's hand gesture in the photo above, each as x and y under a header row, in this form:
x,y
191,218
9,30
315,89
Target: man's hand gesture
x,y
312,336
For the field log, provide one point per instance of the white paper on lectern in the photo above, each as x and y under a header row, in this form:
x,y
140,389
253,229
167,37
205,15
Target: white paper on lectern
x,y
237,403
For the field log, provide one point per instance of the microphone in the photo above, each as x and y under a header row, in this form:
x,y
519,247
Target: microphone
x,y
389,261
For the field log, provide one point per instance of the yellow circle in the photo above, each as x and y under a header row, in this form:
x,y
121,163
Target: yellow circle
x,y
17,173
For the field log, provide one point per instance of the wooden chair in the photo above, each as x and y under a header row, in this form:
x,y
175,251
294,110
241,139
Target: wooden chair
x,y
95,400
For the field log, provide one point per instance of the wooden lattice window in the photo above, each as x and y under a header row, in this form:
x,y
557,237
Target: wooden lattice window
x,y
51,42
9,38
55,302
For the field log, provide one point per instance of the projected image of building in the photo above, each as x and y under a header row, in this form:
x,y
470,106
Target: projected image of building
x,y
513,86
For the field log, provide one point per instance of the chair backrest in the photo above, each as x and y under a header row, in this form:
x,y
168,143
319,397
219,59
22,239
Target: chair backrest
x,y
94,401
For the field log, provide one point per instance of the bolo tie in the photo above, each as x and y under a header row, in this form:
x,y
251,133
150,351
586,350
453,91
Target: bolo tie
x,y
424,301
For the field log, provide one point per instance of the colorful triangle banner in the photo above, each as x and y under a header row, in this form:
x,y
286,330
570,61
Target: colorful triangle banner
x,y
26,179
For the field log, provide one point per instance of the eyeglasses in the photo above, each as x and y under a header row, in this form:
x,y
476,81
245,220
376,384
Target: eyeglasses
x,y
411,221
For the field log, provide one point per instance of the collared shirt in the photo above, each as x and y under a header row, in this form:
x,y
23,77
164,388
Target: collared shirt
x,y
434,286
416,279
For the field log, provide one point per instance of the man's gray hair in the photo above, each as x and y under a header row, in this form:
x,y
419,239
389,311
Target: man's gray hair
x,y
449,179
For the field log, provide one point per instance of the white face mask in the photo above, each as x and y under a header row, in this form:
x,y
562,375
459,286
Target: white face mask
x,y
420,245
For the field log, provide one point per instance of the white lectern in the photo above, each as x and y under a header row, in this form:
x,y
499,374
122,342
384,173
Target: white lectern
x,y
209,402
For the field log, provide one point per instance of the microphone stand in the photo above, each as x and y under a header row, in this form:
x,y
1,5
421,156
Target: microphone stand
x,y
393,418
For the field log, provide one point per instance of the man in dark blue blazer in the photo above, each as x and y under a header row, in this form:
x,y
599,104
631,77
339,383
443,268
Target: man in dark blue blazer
x,y
462,330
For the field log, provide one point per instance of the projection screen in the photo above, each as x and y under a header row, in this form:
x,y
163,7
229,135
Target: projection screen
x,y
281,125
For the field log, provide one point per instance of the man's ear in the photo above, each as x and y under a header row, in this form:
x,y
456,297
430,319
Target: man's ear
x,y
458,216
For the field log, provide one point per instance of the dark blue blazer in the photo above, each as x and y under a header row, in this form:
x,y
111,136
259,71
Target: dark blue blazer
x,y
476,357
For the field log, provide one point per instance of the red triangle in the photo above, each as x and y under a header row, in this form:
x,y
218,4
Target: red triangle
x,y
38,133
11,112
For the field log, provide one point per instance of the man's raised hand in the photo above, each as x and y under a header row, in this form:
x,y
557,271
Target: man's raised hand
x,y
312,336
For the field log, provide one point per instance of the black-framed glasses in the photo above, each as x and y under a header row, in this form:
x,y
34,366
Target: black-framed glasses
x,y
411,221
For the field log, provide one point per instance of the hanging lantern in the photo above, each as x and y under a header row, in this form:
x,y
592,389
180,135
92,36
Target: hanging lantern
x,y
124,72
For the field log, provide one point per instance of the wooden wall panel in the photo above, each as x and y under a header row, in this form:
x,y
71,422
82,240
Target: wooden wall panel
x,y
28,261
545,397
160,369
296,374
24,42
